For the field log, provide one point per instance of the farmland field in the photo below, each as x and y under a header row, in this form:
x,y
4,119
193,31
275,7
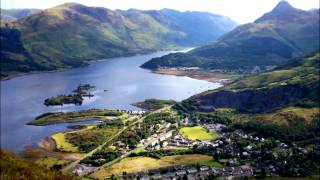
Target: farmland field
x,y
197,132
137,164
62,144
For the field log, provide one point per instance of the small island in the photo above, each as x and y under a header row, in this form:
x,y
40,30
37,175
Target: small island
x,y
153,104
83,90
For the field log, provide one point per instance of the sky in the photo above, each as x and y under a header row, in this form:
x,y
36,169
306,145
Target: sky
x,y
241,11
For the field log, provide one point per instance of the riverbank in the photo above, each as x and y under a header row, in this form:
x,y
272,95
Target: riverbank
x,y
215,77
20,74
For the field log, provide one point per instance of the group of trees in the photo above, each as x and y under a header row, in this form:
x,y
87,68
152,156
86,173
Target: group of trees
x,y
299,130
76,98
101,157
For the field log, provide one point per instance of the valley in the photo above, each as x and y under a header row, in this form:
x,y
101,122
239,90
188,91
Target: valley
x,y
286,32
55,38
90,92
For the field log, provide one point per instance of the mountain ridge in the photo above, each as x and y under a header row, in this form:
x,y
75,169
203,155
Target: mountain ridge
x,y
270,40
70,34
15,14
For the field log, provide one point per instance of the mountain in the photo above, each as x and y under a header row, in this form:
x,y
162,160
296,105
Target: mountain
x,y
208,26
14,14
281,34
292,84
283,103
71,34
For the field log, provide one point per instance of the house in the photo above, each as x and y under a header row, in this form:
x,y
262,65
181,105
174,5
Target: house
x,y
81,170
168,135
156,176
169,175
153,143
192,170
168,125
181,172
248,147
204,168
119,144
215,145
162,138
232,162
165,143
245,154
144,177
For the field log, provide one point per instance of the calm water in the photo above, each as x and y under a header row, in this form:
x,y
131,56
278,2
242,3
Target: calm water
x,y
22,97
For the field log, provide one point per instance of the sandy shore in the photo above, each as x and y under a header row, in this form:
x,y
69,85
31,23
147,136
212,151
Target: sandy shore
x,y
195,74
49,146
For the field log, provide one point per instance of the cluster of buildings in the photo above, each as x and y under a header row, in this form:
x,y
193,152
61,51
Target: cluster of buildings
x,y
81,169
158,141
178,141
131,112
194,172
216,127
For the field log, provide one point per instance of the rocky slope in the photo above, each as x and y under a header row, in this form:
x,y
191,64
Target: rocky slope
x,y
293,84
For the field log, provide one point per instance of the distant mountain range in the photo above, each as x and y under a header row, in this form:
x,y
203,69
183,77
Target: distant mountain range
x,y
71,34
281,34
15,14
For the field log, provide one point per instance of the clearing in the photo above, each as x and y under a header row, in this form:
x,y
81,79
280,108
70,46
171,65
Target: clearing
x,y
62,144
197,132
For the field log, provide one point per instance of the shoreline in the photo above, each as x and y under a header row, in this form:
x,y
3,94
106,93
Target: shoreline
x,y
90,63
48,145
196,74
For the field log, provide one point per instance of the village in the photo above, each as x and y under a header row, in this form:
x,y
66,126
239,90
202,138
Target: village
x,y
242,155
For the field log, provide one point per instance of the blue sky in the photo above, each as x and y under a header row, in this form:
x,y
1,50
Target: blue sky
x,y
242,11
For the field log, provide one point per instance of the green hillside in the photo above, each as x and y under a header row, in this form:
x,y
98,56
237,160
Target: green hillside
x,y
71,34
13,167
281,34
283,103
292,84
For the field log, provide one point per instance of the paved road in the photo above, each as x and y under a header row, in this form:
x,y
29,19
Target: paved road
x,y
73,164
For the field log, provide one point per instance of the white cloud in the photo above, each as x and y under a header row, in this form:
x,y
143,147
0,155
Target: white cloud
x,y
242,11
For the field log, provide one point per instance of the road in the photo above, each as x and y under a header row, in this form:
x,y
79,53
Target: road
x,y
73,164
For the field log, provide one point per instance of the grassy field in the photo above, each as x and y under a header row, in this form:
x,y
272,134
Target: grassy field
x,y
197,132
88,139
138,150
62,144
137,164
